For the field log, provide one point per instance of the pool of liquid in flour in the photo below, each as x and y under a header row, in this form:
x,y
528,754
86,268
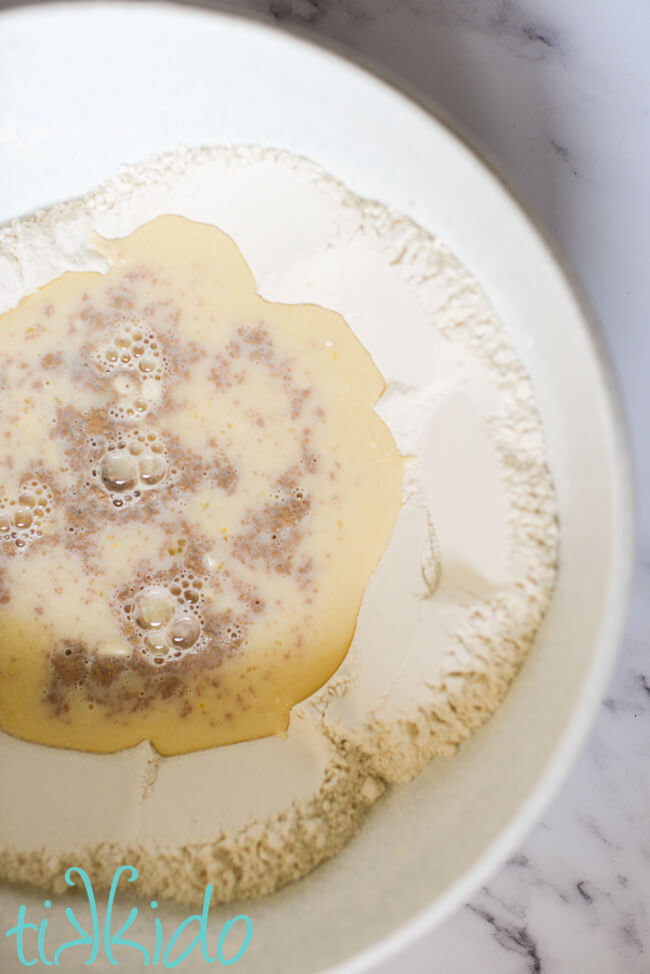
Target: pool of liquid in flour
x,y
194,492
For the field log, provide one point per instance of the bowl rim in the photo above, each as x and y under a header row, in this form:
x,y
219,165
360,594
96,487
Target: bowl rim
x,y
611,631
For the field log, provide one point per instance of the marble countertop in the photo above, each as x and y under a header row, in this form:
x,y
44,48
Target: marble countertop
x,y
559,95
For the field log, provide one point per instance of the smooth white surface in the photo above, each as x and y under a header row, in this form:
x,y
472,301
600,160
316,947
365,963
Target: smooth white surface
x,y
137,126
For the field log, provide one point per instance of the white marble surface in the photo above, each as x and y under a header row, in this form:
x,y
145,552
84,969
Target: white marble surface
x,y
559,94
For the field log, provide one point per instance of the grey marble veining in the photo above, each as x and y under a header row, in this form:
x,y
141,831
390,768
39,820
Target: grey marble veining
x,y
526,34
558,95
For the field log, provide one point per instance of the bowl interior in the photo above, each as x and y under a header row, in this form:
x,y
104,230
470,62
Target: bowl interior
x,y
190,77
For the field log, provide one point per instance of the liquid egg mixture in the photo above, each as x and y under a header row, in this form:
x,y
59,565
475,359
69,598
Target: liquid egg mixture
x,y
194,492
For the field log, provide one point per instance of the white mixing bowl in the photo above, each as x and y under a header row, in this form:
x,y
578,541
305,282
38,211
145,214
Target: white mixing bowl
x,y
89,87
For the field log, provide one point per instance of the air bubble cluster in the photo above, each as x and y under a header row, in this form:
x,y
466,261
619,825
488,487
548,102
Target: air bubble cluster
x,y
135,358
22,517
131,465
165,618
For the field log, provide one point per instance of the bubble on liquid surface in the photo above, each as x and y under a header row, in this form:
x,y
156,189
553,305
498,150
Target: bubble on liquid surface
x,y
152,469
154,607
23,518
118,471
157,643
184,632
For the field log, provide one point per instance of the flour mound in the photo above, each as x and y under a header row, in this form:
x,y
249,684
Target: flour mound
x,y
450,612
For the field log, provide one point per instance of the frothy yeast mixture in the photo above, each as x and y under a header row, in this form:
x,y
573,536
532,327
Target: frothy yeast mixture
x,y
195,489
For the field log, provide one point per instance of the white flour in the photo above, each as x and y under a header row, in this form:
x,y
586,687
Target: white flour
x,y
447,617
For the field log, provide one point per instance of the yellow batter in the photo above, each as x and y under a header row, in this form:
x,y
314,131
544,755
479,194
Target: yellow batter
x,y
194,491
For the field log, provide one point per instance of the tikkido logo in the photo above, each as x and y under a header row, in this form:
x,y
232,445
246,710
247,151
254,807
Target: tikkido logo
x,y
32,939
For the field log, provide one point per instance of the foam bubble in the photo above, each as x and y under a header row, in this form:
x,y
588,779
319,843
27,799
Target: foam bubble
x,y
23,518
154,608
157,643
118,471
151,469
184,632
